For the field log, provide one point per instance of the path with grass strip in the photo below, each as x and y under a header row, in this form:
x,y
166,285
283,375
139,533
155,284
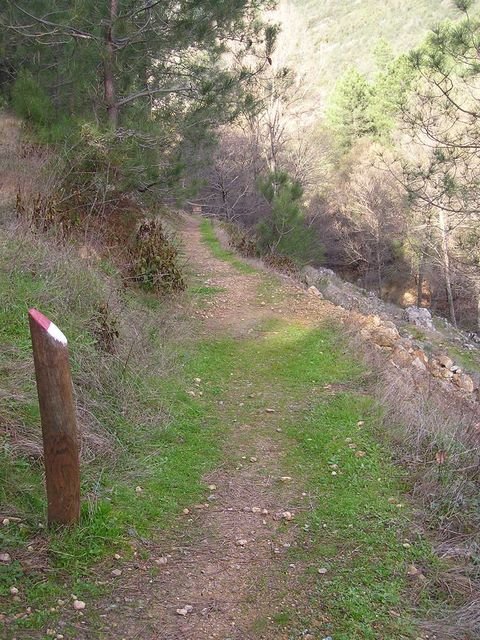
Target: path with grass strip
x,y
264,507
302,531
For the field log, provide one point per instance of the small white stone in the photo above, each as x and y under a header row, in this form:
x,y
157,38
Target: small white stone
x,y
322,571
287,515
253,459
78,605
241,542
197,380
285,478
212,487
138,489
256,510
182,612
5,522
186,512
14,591
264,512
117,556
116,573
162,560
5,558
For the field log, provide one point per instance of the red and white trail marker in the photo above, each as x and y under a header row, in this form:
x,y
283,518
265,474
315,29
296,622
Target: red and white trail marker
x,y
57,412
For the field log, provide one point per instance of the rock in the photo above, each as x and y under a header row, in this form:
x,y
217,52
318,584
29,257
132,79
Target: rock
x,y
287,515
5,522
419,364
322,571
253,459
197,380
420,317
401,357
116,573
256,510
312,290
385,336
161,561
413,571
285,478
310,276
241,542
5,558
445,361
270,410
78,605
14,591
464,382
212,487
186,609
117,556
186,512
138,490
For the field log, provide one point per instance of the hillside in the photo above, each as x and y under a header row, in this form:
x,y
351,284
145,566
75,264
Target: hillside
x,y
323,38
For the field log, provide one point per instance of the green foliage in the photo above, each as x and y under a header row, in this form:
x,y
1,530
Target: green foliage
x,y
350,111
161,103
361,108
284,230
30,101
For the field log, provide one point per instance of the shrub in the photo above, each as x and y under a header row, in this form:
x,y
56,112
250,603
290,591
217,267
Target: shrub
x,y
30,101
242,241
155,259
281,263
284,231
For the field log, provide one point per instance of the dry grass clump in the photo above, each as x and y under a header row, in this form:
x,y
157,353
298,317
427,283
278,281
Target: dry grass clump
x,y
436,437
115,340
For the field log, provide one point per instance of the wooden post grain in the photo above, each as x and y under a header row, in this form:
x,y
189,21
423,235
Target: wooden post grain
x,y
57,411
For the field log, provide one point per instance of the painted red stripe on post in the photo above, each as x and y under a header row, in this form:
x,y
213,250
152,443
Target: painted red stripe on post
x,y
47,325
40,319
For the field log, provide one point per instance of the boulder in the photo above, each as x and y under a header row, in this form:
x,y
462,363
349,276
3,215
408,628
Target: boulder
x,y
310,276
384,336
420,317
401,357
312,290
464,382
445,361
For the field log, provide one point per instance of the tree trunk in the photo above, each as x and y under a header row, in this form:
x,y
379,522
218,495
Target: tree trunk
x,y
109,68
446,265
477,291
420,280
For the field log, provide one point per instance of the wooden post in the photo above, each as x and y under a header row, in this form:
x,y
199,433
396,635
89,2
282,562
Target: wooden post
x,y
57,411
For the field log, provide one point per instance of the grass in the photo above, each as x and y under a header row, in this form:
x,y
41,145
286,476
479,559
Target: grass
x,y
209,237
172,436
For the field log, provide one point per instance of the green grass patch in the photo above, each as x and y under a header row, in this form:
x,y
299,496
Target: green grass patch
x,y
209,237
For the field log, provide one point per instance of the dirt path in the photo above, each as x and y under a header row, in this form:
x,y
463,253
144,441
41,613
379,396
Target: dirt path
x,y
228,568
